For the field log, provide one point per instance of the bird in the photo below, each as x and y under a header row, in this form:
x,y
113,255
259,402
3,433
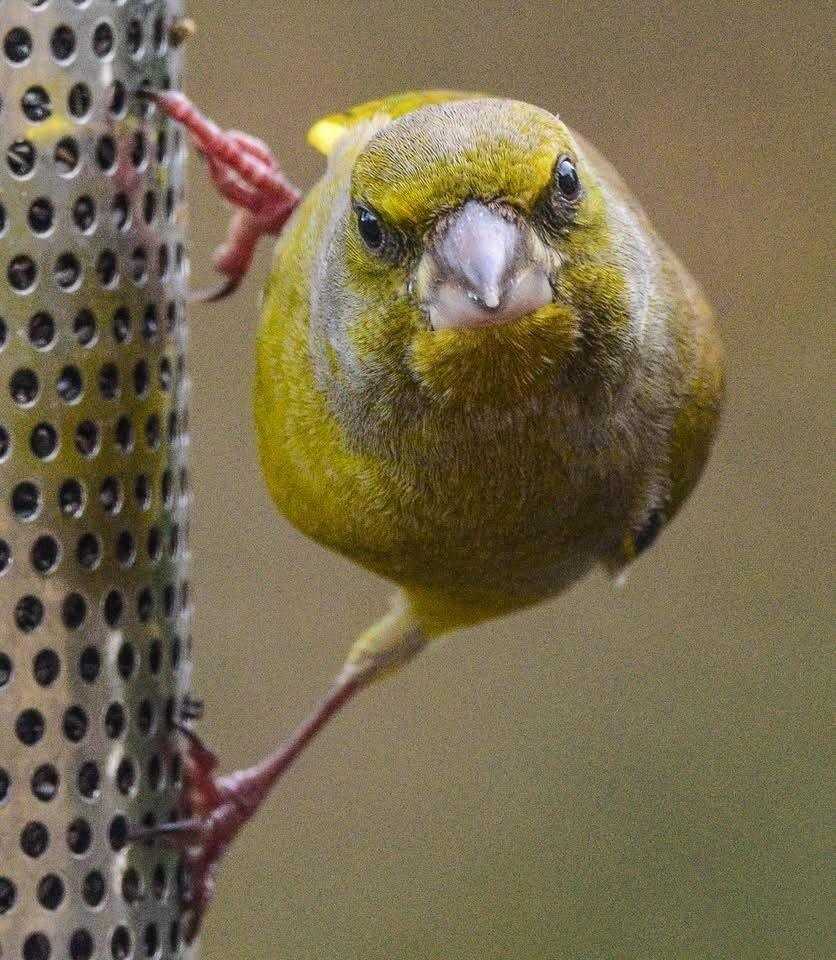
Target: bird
x,y
480,373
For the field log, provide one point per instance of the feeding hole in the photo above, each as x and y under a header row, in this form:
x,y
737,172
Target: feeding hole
x,y
29,727
45,554
84,214
17,45
67,271
41,330
117,833
139,265
79,836
21,157
22,273
166,487
145,717
24,387
160,36
113,608
29,612
134,36
124,435
154,544
69,384
43,441
62,43
84,327
45,667
73,614
165,376
144,605
114,720
159,881
126,776
107,268
110,495
34,839
142,491
36,105
41,216
155,772
149,206
89,780
81,945
150,323
93,888
106,153
141,378
79,100
37,947
151,938
26,500
103,39
5,670
87,438
120,211
152,431
132,891
138,150
8,895
109,385
75,724
89,664
50,891
117,98
125,548
45,782
71,498
66,156
126,661
121,324
155,656
88,551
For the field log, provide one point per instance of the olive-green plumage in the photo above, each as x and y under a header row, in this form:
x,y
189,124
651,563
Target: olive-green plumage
x,y
485,467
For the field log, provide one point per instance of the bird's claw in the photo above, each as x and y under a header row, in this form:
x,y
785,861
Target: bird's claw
x,y
211,815
246,174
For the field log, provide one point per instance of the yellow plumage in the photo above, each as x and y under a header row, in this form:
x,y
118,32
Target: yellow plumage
x,y
487,468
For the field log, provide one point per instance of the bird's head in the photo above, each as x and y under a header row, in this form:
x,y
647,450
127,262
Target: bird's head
x,y
467,254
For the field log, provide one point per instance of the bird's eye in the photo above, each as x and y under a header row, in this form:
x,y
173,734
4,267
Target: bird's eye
x,y
567,179
371,229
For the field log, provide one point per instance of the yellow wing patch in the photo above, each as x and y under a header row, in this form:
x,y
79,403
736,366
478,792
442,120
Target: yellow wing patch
x,y
326,133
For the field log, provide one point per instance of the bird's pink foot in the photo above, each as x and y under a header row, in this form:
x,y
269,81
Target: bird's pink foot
x,y
214,809
247,174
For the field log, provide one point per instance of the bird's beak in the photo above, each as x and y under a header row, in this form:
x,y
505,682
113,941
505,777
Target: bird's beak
x,y
483,267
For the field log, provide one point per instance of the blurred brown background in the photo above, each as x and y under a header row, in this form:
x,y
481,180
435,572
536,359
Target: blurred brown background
x,y
618,774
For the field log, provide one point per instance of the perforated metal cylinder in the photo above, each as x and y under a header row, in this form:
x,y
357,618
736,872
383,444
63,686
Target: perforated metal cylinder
x,y
94,605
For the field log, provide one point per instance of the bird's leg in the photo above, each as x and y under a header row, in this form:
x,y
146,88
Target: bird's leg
x,y
247,174
216,808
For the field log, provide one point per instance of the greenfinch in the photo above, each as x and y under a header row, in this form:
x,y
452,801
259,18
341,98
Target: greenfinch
x,y
480,371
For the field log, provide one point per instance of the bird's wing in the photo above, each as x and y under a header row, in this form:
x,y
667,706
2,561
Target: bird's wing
x,y
695,422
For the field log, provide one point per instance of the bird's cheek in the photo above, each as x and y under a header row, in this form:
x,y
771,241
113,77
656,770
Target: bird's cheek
x,y
380,331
